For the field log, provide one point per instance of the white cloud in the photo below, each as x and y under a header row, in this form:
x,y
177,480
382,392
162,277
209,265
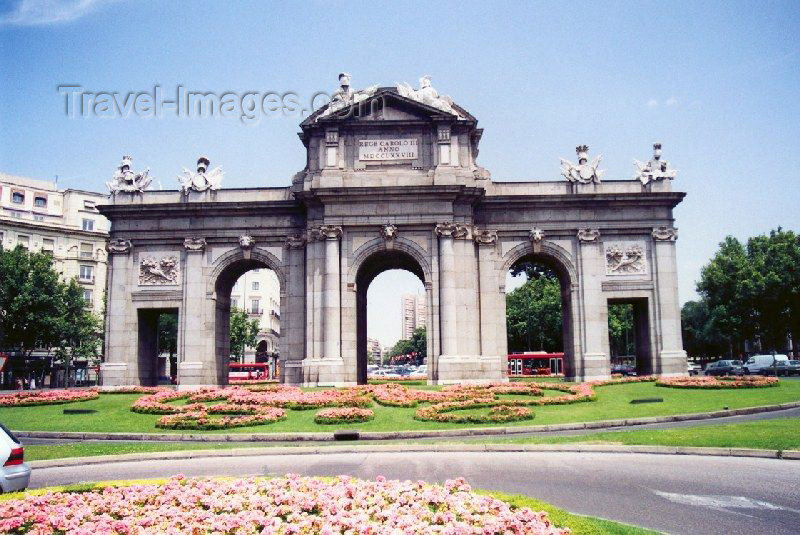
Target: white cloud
x,y
45,12
671,101
652,103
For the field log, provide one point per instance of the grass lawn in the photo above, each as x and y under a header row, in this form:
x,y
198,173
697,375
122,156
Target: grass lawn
x,y
578,524
114,415
776,434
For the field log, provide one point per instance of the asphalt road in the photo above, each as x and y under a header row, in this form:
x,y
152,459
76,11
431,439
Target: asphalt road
x,y
673,494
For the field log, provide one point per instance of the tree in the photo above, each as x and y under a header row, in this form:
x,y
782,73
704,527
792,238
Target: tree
x,y
30,301
533,314
416,345
702,336
620,329
753,292
244,332
79,330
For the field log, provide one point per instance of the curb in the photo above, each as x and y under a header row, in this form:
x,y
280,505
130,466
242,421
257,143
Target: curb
x,y
393,435
417,448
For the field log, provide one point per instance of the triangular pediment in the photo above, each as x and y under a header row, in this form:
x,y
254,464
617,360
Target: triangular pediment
x,y
385,104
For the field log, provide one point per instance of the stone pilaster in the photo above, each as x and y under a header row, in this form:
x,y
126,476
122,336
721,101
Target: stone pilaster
x,y
293,318
447,289
595,362
671,356
121,362
197,359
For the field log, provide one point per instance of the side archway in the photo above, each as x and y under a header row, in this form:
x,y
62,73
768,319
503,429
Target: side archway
x,y
559,261
225,272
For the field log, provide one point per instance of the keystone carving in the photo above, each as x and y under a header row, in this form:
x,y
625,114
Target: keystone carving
x,y
246,242
194,244
389,232
665,233
154,271
118,246
588,234
485,237
536,235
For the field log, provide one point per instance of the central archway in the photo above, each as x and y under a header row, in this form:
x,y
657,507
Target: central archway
x,y
370,268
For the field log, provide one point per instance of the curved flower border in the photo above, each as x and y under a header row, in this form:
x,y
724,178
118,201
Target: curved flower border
x,y
343,415
27,398
718,382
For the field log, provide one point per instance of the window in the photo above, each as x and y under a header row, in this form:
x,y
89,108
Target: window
x,y
40,202
234,302
18,197
86,250
88,205
1,238
87,273
48,246
88,224
87,296
38,217
255,285
254,304
24,240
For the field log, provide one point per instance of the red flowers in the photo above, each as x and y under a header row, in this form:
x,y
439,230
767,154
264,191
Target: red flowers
x,y
343,415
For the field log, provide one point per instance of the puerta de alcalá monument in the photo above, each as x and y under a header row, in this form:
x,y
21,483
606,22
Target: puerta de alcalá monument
x,y
391,181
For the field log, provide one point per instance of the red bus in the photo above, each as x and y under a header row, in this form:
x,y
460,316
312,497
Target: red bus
x,y
535,363
248,372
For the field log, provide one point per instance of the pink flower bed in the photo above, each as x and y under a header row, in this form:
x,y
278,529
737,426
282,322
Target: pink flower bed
x,y
202,420
343,415
290,504
718,382
26,398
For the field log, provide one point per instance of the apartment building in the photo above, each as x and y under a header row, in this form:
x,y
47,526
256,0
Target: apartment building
x,y
258,293
414,313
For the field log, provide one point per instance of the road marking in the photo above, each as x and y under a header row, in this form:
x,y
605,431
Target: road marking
x,y
722,501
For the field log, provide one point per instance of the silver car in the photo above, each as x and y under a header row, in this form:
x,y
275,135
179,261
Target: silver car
x,y
15,474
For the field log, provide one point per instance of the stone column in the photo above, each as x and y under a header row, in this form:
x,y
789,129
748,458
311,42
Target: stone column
x,y
121,366
671,356
492,309
447,289
293,318
595,361
197,356
331,296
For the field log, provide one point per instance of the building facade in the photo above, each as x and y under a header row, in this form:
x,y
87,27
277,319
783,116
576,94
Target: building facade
x,y
257,292
413,312
391,181
62,223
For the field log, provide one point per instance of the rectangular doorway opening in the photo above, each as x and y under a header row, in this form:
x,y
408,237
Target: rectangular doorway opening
x,y
629,336
158,343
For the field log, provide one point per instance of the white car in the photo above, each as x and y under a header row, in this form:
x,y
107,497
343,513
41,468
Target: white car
x,y
756,363
15,474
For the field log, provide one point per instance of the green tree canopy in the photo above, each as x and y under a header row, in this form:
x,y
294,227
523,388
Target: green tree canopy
x,y
533,313
418,344
243,332
620,329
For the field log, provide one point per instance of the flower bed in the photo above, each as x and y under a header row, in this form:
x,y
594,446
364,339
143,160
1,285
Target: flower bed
x,y
290,504
202,420
343,415
499,411
752,381
27,398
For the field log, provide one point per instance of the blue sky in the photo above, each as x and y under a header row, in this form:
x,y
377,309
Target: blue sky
x,y
716,83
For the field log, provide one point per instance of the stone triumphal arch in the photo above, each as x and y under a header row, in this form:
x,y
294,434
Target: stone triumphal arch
x,y
391,181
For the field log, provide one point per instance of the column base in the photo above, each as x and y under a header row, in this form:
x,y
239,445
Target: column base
x,y
116,374
672,363
469,369
596,366
194,374
325,372
292,372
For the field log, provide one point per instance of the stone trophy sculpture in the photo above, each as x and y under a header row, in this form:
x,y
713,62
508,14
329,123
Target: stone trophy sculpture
x,y
127,181
203,179
584,172
655,170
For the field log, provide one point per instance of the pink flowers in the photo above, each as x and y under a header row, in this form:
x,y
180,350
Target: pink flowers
x,y
45,397
202,421
750,381
343,415
291,504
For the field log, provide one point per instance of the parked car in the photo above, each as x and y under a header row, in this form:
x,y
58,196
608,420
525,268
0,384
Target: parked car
x,y
422,370
15,474
384,374
693,369
782,367
725,367
758,362
623,369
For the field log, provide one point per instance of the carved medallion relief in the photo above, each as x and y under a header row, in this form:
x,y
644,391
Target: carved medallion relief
x,y
626,258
